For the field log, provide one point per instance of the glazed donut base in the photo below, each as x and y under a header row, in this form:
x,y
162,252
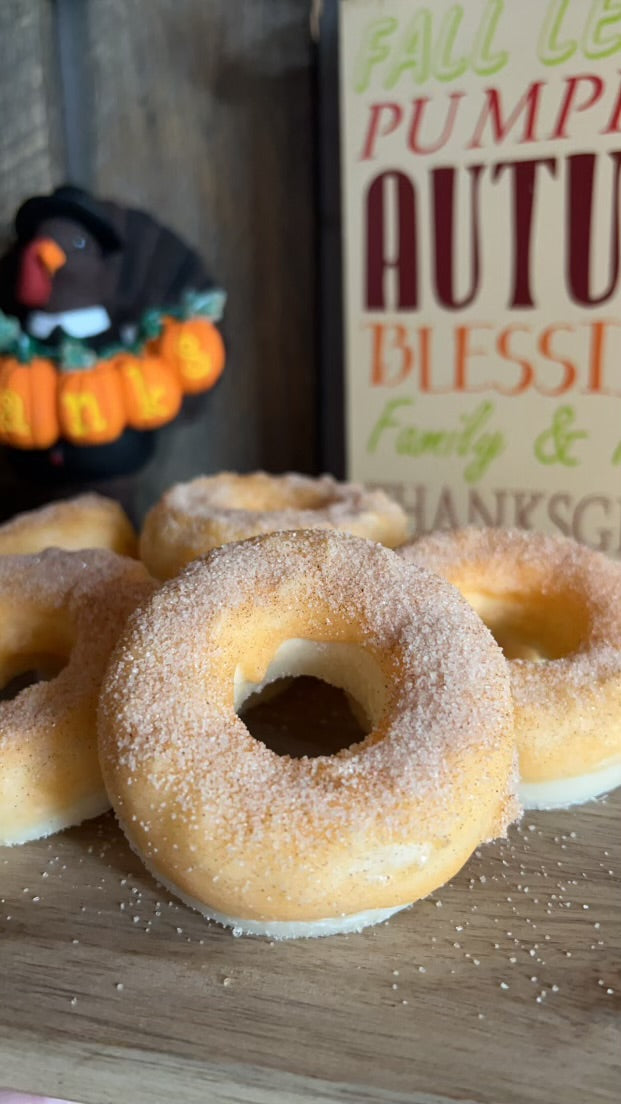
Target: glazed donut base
x,y
561,793
275,929
87,808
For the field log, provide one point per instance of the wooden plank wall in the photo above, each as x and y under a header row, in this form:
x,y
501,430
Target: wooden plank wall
x,y
202,112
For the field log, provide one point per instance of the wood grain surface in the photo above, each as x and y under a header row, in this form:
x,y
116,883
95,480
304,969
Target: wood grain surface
x,y
204,113
503,987
31,144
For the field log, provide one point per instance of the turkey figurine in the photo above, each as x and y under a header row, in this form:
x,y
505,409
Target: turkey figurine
x,y
86,270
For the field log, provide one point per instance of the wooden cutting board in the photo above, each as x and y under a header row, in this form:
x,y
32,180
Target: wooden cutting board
x,y
504,987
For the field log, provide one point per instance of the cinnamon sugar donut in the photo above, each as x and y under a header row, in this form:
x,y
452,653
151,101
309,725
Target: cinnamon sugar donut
x,y
60,614
88,521
554,606
284,846
212,510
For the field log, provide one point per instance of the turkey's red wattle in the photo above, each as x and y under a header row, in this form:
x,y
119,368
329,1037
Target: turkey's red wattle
x,y
34,283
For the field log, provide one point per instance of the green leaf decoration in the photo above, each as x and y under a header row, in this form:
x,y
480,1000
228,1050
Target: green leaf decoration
x,y
75,356
111,351
10,331
151,324
25,348
203,304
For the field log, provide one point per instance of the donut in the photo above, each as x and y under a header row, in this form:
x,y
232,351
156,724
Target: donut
x,y
554,606
60,615
286,847
193,517
87,521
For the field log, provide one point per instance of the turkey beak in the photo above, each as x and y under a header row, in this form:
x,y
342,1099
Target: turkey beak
x,y
50,254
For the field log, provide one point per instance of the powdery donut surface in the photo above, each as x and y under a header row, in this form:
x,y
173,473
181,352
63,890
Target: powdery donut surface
x,y
191,518
262,841
87,521
555,607
57,608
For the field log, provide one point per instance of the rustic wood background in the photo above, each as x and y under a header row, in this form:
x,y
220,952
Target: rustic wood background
x,y
202,111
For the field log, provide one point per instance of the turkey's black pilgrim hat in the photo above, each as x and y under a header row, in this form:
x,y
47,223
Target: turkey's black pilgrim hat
x,y
67,201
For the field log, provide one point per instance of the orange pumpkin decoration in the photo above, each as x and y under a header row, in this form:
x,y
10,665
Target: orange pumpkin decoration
x,y
195,349
151,391
91,407
28,415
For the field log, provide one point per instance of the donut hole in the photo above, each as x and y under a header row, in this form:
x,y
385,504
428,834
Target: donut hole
x,y
304,716
315,699
35,648
268,494
30,670
532,626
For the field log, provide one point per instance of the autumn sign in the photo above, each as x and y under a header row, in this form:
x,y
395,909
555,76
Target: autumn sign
x,y
481,184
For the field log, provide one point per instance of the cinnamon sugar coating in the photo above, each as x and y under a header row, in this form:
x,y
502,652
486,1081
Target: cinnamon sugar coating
x,y
244,832
555,607
87,521
191,518
60,614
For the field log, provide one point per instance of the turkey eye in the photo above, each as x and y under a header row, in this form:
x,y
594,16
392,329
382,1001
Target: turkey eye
x,y
79,243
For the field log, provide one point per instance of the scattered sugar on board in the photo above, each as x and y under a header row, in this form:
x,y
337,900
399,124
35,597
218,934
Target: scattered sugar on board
x,y
501,863
539,899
